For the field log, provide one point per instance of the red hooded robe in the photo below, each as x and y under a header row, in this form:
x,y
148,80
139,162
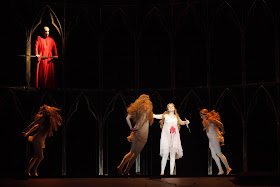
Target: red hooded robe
x,y
45,76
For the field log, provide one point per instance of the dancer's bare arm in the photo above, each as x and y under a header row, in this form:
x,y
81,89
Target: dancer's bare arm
x,y
128,117
31,130
157,116
218,123
181,122
32,127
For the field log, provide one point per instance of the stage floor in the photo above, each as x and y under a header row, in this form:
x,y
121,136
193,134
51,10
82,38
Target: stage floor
x,y
224,181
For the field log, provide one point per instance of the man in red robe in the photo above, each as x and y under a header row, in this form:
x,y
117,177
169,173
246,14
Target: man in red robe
x,y
44,47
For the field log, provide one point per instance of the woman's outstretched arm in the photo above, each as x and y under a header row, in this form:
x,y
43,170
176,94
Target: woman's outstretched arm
x,y
31,130
181,122
32,127
157,116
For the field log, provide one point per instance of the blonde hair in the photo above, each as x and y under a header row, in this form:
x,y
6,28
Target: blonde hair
x,y
139,107
166,112
51,114
209,115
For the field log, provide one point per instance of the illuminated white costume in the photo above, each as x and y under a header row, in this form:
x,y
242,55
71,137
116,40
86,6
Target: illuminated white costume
x,y
215,138
212,125
170,142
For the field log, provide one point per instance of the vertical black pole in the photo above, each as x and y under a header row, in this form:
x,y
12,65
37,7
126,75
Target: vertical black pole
x,y
28,60
244,82
209,74
101,88
64,158
136,66
277,74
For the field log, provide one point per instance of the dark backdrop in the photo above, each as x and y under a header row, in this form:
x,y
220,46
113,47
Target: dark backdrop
x,y
221,55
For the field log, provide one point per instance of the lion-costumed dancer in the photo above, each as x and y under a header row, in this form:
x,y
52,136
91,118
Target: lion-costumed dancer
x,y
141,112
211,124
46,120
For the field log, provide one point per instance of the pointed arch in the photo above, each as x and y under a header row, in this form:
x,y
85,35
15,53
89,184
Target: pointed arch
x,y
237,108
114,128
161,100
111,107
29,33
154,11
262,120
226,7
254,6
232,117
119,47
80,14
82,45
189,9
46,98
225,32
186,99
16,103
260,43
155,50
74,108
252,102
82,124
189,37
125,20
38,21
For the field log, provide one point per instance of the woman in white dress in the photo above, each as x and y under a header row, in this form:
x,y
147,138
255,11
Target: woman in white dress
x,y
211,123
170,142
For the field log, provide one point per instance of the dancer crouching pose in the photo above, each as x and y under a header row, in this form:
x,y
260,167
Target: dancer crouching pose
x,y
170,142
211,123
141,112
46,120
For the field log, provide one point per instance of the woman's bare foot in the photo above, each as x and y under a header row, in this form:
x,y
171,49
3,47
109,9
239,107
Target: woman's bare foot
x,y
221,173
27,174
35,173
125,174
228,170
119,170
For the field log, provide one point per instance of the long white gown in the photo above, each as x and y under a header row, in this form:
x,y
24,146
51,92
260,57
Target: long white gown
x,y
170,137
